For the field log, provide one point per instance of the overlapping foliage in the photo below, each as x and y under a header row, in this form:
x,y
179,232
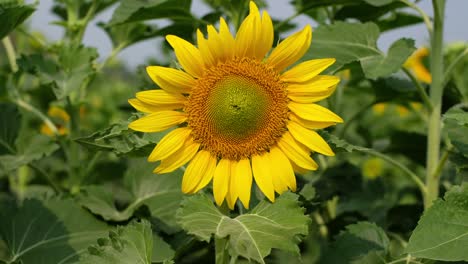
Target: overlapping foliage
x,y
75,186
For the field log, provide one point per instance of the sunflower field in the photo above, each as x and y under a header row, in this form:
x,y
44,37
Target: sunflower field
x,y
243,137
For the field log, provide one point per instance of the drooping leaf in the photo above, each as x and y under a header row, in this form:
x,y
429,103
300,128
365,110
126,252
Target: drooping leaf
x,y
379,2
442,232
121,140
160,193
44,232
34,149
358,42
13,14
60,9
139,10
128,244
251,235
397,20
366,12
10,120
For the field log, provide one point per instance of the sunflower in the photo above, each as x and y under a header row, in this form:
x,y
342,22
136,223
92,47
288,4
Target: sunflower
x,y
239,115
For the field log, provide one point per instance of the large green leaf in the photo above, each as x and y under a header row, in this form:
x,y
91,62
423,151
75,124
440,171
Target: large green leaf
x,y
442,232
34,149
251,235
359,243
45,232
358,42
13,15
160,193
138,10
128,244
456,127
10,120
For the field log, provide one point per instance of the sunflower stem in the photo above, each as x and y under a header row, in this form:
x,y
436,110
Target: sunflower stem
x,y
421,12
420,88
436,92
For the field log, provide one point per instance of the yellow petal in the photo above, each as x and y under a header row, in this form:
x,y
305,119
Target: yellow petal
x,y
169,144
160,97
262,175
310,139
306,70
158,121
179,158
281,164
205,50
171,80
187,55
246,36
221,179
208,175
266,35
318,84
310,124
199,172
227,39
296,153
311,97
279,184
147,108
291,49
314,112
243,174
232,194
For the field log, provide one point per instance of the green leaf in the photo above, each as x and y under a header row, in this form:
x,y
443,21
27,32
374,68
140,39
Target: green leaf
x,y
128,244
160,193
366,12
44,232
397,20
358,42
162,252
34,149
66,75
442,231
139,10
251,235
121,140
10,120
456,127
358,244
13,15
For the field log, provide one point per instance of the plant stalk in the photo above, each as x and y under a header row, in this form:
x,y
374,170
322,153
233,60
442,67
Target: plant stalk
x,y
435,94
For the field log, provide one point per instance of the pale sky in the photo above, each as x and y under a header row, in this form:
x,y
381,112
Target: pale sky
x,y
456,28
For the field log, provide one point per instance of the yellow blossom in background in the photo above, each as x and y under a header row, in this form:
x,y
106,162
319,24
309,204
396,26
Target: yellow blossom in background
x,y
402,111
379,108
239,115
372,168
416,66
60,119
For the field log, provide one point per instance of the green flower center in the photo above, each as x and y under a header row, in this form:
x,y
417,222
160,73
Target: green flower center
x,y
237,106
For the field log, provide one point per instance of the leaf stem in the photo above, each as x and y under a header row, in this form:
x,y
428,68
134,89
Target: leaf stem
x,y
420,88
401,166
10,52
38,113
425,17
222,255
436,91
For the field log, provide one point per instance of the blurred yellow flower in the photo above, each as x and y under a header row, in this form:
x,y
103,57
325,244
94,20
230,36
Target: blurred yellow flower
x,y
240,114
372,168
379,108
60,118
416,65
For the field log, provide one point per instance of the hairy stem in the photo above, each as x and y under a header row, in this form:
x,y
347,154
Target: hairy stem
x,y
436,91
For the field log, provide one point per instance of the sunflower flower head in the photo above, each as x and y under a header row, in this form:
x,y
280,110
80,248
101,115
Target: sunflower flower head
x,y
239,115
